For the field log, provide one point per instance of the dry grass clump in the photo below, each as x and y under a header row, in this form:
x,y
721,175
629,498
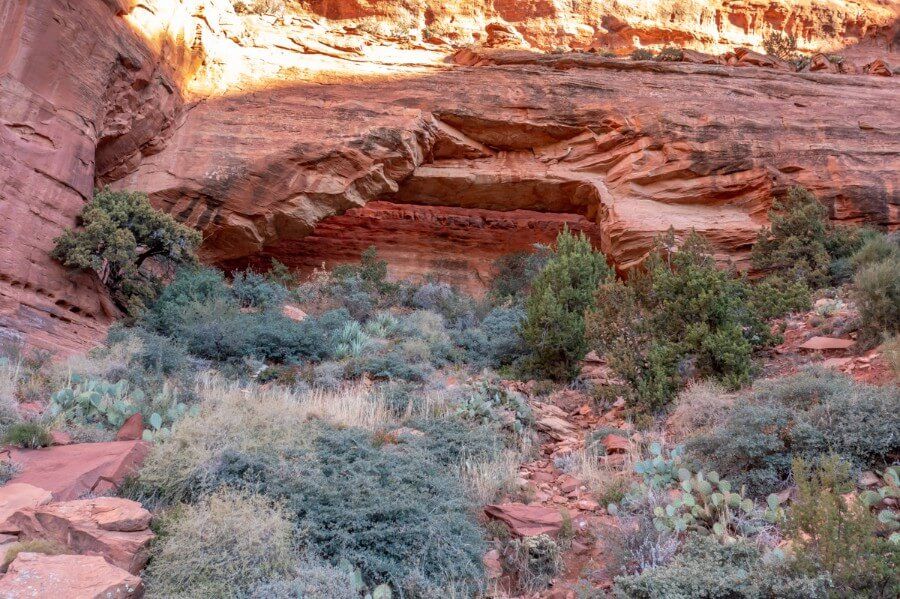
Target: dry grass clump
x,y
699,407
253,419
9,382
222,546
892,355
31,546
607,483
487,479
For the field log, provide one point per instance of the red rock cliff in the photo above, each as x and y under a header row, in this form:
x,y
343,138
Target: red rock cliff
x,y
274,133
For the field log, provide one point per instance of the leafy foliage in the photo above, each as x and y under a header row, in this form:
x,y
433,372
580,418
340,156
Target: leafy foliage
x,y
680,319
554,311
839,537
794,244
121,235
877,293
780,45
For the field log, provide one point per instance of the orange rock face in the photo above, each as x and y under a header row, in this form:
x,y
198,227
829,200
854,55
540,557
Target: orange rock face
x,y
307,136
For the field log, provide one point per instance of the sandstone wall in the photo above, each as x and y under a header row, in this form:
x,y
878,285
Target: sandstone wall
x,y
306,135
78,88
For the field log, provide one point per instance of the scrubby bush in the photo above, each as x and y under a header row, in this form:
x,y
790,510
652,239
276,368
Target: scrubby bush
x,y
391,365
705,568
554,311
794,244
805,415
892,355
392,511
535,561
680,319
839,537
780,45
877,294
641,54
223,546
31,435
514,273
200,311
254,290
9,405
876,248
504,343
190,287
670,54
125,241
274,423
314,579
699,407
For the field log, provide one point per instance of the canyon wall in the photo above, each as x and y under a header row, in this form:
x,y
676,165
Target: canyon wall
x,y
307,135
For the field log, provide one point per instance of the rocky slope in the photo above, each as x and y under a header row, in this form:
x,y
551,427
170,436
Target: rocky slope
x,y
273,133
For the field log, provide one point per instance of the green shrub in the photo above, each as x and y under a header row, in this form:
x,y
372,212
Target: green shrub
x,y
682,318
31,435
514,273
877,294
224,546
706,569
391,365
156,356
554,311
190,287
121,237
254,290
876,248
794,244
775,296
641,54
497,341
204,314
780,45
392,511
839,537
805,415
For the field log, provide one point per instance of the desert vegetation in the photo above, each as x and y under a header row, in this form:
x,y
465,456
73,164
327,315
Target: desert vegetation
x,y
339,436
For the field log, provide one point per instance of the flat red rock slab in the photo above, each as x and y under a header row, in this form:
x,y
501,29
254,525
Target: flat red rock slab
x,y
826,343
113,527
73,471
615,444
69,576
526,520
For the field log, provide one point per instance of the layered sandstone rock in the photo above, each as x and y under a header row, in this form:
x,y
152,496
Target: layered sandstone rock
x,y
80,93
73,471
70,576
273,133
116,529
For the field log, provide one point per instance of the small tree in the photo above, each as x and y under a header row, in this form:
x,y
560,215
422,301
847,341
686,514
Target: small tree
x,y
126,242
780,45
554,323
794,245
